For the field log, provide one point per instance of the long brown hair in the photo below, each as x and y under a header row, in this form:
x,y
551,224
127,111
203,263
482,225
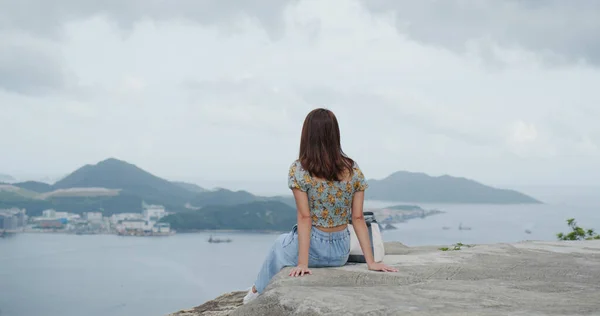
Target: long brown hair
x,y
320,148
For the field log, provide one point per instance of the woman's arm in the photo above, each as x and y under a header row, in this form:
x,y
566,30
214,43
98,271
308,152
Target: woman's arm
x,y
362,233
304,227
299,185
360,226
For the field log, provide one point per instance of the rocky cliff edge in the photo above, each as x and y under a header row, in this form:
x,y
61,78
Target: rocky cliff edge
x,y
527,278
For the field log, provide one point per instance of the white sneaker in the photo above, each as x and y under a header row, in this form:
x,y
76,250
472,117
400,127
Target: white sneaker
x,y
250,296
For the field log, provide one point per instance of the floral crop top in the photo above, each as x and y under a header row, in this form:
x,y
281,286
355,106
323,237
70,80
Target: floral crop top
x,y
330,202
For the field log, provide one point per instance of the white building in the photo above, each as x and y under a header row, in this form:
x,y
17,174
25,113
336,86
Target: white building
x,y
135,224
13,218
72,217
12,210
49,213
116,218
154,213
92,216
52,214
164,228
61,214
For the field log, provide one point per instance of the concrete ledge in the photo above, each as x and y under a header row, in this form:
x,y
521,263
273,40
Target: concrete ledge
x,y
220,306
528,278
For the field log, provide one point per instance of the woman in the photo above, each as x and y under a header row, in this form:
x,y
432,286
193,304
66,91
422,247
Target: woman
x,y
329,188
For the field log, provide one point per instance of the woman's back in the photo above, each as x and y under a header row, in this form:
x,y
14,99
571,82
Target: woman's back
x,y
325,183
330,202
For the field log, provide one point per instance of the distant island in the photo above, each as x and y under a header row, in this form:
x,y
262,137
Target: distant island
x,y
387,216
406,186
113,186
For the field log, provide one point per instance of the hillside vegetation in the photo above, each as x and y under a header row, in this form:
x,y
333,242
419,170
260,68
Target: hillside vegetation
x,y
190,186
262,215
35,186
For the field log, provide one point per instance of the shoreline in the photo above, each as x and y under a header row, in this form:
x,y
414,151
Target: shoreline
x,y
401,216
266,232
216,231
177,233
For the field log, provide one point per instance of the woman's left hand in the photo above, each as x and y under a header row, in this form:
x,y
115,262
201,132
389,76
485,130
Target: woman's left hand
x,y
300,270
381,267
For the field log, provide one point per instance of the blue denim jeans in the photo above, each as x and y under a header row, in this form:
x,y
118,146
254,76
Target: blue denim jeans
x,y
326,250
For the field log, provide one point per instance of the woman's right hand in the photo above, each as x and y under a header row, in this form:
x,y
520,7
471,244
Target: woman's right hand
x,y
381,267
300,270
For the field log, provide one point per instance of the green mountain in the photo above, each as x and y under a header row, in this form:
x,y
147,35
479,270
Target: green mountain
x,y
222,197
287,199
11,197
134,184
190,186
23,193
222,208
260,215
108,205
35,186
117,174
418,187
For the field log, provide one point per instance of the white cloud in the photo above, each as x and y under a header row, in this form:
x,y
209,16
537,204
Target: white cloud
x,y
524,132
132,84
222,100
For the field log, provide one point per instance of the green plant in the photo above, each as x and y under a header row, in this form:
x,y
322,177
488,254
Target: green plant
x,y
577,233
457,246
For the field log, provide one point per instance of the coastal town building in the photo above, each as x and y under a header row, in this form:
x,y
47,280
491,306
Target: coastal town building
x,y
116,218
135,224
51,223
140,227
161,228
139,224
51,214
93,216
13,219
8,222
154,213
145,224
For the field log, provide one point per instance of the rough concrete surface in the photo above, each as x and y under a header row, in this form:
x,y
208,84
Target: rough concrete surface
x,y
220,306
527,278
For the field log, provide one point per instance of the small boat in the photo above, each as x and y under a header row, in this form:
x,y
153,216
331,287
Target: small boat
x,y
217,240
82,232
527,231
445,228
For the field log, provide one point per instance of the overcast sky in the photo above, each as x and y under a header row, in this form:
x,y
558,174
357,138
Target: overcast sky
x,y
506,92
